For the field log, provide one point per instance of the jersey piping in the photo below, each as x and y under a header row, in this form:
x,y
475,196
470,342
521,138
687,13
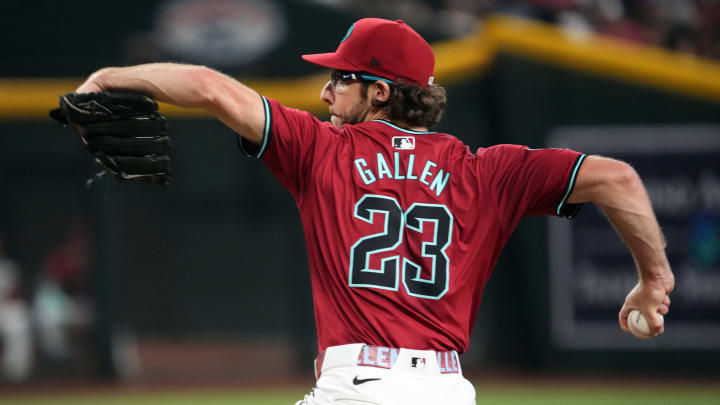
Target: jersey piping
x,y
266,134
409,131
564,209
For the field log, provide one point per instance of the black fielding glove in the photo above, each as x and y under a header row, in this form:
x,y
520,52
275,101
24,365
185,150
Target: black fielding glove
x,y
125,133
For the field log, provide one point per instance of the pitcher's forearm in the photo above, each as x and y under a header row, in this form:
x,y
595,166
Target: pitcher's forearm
x,y
236,105
617,189
177,84
637,226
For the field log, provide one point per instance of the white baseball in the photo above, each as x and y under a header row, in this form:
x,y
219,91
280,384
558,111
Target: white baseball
x,y
638,325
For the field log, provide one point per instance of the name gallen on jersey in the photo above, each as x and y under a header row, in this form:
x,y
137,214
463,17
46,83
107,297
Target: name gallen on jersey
x,y
403,142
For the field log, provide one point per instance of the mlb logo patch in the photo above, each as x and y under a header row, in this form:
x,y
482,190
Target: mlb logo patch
x,y
418,362
403,142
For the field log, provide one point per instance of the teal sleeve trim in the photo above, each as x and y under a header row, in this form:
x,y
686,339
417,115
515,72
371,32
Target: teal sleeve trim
x,y
268,122
564,209
266,134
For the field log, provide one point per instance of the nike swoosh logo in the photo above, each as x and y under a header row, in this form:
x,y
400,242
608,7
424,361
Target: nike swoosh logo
x,y
357,381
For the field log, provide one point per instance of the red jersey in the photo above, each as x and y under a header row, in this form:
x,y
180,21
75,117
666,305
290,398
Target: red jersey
x,y
403,228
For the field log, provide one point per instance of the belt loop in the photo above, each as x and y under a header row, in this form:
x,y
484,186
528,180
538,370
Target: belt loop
x,y
448,362
456,358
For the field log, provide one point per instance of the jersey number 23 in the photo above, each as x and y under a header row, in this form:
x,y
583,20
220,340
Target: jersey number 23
x,y
388,276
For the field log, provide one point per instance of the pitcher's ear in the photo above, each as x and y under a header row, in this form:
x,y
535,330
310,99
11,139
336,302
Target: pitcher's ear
x,y
380,91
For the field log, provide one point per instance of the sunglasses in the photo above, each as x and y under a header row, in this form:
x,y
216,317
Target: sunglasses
x,y
337,77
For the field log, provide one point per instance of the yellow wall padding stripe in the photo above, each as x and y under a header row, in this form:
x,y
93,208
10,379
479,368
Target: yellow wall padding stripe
x,y
32,98
609,57
456,60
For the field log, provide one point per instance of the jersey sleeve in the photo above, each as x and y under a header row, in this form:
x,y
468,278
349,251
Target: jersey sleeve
x,y
525,182
292,141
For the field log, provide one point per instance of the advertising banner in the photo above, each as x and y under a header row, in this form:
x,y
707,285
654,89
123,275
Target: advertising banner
x,y
592,270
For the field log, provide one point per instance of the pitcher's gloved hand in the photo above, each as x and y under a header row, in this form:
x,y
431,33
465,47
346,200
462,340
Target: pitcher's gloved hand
x,y
124,132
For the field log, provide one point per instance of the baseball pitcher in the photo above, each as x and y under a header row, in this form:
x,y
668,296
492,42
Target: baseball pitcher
x,y
403,225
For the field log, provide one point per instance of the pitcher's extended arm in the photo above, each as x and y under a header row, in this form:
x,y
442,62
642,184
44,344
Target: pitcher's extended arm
x,y
233,103
617,189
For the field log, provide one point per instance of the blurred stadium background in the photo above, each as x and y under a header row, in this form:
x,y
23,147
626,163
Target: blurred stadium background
x,y
200,293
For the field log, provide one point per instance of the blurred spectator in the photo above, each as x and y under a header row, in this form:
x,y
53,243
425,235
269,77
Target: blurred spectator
x,y
687,26
459,17
620,19
683,39
527,9
15,333
708,27
62,306
235,34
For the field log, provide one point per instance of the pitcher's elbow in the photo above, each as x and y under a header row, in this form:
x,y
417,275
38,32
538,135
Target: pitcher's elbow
x,y
205,86
625,177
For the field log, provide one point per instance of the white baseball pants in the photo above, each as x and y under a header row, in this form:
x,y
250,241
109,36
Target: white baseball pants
x,y
358,374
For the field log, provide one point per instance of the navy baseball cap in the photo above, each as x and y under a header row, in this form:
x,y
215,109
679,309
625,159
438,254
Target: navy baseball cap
x,y
388,49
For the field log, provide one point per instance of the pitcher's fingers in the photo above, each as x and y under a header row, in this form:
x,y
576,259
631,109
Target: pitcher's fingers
x,y
622,318
666,301
654,320
662,329
663,310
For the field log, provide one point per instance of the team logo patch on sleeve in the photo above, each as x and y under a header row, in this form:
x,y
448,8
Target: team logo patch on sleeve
x,y
403,142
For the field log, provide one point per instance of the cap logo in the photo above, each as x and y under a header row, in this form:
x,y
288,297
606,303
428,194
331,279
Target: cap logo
x,y
349,31
375,62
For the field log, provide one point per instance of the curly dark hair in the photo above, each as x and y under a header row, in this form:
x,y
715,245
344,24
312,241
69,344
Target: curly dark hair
x,y
413,105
